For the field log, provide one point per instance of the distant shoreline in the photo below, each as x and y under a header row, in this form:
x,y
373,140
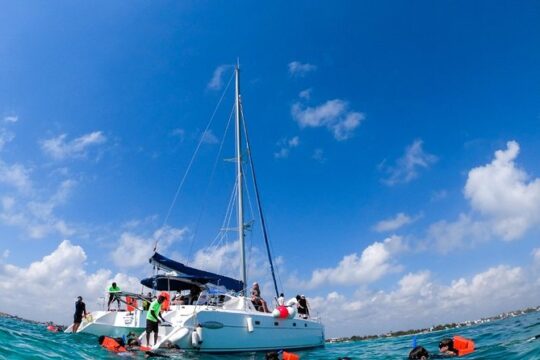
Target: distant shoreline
x,y
441,327
6,315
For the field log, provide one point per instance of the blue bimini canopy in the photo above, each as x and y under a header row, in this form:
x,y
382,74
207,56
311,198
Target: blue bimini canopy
x,y
173,283
186,276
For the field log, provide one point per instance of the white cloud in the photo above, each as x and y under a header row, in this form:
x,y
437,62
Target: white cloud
x,y
419,301
208,137
11,119
462,233
294,141
318,155
224,259
7,202
54,282
407,167
36,217
374,262
16,175
394,223
505,203
299,69
216,83
439,195
5,137
58,148
305,94
180,133
285,147
282,153
333,114
536,255
146,222
505,194
140,248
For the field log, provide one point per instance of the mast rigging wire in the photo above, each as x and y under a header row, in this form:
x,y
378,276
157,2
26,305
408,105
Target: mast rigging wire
x,y
192,159
205,196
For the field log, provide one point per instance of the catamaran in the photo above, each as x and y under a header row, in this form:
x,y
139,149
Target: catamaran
x,y
224,319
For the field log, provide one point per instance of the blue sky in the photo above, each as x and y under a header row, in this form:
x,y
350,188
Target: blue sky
x,y
394,144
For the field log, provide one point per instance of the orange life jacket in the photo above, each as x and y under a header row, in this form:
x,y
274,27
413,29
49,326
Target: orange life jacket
x,y
112,345
290,356
131,303
165,305
463,346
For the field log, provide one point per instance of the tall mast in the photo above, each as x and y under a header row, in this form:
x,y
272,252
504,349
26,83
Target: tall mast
x,y
239,177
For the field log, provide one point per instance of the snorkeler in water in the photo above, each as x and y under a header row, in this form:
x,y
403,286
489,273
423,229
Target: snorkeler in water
x,y
446,347
419,353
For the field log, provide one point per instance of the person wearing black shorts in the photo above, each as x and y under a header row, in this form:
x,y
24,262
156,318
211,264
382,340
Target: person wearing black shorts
x,y
152,326
153,319
80,310
113,296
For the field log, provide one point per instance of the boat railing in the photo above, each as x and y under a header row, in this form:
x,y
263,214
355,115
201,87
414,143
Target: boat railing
x,y
133,302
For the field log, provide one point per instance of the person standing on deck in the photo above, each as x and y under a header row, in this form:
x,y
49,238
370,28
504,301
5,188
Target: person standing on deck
x,y
113,290
80,310
146,302
152,319
303,309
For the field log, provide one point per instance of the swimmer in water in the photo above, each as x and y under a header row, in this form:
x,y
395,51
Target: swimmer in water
x,y
419,353
446,347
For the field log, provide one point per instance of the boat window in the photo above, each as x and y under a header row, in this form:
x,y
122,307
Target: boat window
x,y
276,323
257,323
218,300
293,324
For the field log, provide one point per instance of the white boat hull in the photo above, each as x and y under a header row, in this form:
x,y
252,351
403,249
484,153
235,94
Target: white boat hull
x,y
231,331
113,323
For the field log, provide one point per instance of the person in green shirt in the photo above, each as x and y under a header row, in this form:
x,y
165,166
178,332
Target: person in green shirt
x,y
152,320
113,290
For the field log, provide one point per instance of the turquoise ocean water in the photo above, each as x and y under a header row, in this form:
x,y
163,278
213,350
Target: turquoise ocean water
x,y
512,338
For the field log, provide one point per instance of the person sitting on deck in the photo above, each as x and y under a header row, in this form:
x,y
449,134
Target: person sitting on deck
x,y
113,290
257,300
194,292
179,300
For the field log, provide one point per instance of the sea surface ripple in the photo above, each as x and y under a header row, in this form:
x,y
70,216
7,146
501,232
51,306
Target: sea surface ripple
x,y
511,338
